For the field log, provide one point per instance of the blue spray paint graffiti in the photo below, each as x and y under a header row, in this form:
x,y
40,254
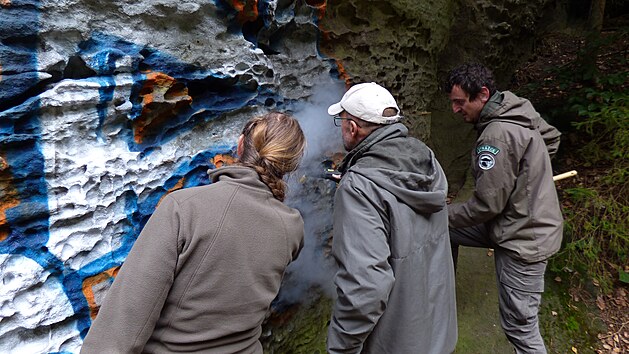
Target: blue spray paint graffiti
x,y
18,50
19,139
211,96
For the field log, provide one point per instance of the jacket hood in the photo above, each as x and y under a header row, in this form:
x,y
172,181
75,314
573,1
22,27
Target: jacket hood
x,y
403,166
507,107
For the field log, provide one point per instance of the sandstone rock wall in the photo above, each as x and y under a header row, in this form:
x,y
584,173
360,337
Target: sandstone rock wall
x,y
396,43
107,106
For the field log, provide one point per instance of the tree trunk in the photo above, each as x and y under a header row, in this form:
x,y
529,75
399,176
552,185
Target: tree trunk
x,y
597,11
589,69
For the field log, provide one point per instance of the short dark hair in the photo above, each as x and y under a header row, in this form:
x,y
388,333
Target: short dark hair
x,y
471,77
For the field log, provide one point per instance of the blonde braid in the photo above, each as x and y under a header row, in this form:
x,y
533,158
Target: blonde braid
x,y
273,145
276,184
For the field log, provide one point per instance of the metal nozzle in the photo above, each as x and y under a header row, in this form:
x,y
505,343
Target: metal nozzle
x,y
332,174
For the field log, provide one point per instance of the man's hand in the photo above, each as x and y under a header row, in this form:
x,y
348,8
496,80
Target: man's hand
x,y
332,174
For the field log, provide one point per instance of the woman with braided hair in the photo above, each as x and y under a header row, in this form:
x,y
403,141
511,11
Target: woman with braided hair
x,y
205,268
262,146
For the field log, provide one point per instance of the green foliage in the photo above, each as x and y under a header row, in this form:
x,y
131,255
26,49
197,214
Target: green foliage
x,y
623,276
596,241
596,236
604,116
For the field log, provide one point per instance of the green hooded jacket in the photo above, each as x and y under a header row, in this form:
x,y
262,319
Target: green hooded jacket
x,y
514,191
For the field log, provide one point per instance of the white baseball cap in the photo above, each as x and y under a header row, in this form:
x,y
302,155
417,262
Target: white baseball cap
x,y
367,101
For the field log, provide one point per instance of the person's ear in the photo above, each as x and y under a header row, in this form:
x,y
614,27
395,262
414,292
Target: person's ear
x,y
240,146
484,94
353,128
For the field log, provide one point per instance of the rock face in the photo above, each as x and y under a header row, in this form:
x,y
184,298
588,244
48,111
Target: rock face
x,y
409,46
500,34
107,106
396,43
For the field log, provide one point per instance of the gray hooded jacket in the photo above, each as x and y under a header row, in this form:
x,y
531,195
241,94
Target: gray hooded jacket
x,y
515,194
395,281
203,272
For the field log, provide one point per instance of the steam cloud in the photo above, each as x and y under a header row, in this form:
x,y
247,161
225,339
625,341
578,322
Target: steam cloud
x,y
313,197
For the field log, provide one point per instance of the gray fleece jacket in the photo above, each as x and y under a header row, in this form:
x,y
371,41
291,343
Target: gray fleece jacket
x,y
395,278
203,272
514,194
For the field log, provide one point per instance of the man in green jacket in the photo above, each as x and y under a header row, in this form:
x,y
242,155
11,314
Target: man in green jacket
x,y
395,278
514,208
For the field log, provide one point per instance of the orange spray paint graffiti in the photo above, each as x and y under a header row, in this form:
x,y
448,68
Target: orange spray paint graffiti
x,y
9,199
326,38
177,186
89,284
220,160
247,10
320,5
162,97
343,75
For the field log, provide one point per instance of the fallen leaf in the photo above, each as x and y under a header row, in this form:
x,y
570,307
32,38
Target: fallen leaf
x,y
600,302
623,276
575,350
558,279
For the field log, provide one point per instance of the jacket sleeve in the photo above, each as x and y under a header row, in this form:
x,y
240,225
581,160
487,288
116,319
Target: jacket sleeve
x,y
133,304
364,278
550,135
494,180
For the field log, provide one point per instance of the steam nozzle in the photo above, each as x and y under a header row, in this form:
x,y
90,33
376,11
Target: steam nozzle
x,y
332,174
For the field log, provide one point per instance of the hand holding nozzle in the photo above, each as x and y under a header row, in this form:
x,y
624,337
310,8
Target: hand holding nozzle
x,y
332,174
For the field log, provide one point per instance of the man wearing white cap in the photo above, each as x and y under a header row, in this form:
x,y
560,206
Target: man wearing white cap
x,y
395,278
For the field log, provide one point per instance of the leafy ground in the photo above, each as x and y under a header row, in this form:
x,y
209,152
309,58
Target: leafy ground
x,y
548,80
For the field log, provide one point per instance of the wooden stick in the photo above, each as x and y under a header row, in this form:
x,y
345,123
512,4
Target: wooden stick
x,y
565,175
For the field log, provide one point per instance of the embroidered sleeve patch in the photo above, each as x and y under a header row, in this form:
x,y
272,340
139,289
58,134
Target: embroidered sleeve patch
x,y
486,161
487,148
